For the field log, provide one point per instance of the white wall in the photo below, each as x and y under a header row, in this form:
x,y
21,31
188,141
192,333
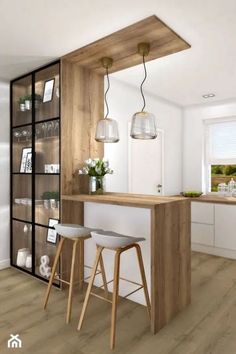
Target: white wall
x,y
4,175
124,101
194,138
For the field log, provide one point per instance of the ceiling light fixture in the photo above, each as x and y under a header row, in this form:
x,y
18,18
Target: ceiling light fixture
x,y
107,128
143,124
208,95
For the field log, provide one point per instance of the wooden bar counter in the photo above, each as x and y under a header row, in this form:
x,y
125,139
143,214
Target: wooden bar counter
x,y
170,246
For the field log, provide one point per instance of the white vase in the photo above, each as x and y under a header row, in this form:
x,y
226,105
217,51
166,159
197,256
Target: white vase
x,y
21,256
28,262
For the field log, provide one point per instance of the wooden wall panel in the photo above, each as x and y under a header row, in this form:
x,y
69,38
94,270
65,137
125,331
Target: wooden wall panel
x,y
81,107
171,261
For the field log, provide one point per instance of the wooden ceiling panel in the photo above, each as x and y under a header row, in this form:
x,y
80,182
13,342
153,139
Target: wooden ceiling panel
x,y
121,46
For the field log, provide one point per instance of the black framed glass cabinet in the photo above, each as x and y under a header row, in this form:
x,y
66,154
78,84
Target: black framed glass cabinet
x,y
35,169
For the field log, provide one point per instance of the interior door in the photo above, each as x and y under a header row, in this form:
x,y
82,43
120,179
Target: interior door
x,y
146,165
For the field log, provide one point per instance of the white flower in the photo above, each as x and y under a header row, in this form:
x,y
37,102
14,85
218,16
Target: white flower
x,y
93,163
80,172
88,162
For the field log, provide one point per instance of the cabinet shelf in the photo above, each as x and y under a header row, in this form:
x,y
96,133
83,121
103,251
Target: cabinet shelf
x,y
37,130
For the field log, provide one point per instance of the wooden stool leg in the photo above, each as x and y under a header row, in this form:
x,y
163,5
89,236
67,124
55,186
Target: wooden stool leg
x,y
115,298
81,264
103,274
144,281
91,280
72,272
57,256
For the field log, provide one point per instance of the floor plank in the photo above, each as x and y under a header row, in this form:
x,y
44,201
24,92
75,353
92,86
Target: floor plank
x,y
207,326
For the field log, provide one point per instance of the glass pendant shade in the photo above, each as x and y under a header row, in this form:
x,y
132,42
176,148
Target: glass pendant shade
x,y
143,126
107,131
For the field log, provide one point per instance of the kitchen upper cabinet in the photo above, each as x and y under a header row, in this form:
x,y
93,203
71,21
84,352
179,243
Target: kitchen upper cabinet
x,y
225,226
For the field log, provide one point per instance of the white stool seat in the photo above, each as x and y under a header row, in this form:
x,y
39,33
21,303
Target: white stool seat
x,y
110,239
72,230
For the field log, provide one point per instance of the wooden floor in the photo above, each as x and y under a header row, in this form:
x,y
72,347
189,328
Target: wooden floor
x,y
207,326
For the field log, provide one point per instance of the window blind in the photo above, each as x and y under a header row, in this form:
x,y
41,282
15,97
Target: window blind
x,y
222,143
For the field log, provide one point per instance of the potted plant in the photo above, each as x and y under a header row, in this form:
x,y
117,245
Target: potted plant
x,y
22,104
46,196
96,169
50,199
28,102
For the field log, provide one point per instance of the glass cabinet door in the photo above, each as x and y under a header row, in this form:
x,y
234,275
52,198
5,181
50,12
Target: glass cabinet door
x,y
47,93
47,147
22,149
22,101
45,251
22,245
22,197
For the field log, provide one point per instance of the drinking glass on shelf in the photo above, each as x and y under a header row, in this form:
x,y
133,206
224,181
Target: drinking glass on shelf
x,y
44,130
25,134
49,129
17,134
37,133
56,128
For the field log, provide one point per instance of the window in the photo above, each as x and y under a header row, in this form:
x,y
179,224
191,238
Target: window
x,y
220,152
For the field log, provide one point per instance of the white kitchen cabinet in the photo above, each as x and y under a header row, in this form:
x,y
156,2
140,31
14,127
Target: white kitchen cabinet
x,y
202,213
225,226
203,234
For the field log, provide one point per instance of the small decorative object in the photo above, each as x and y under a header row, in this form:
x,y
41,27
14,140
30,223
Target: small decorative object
x,y
24,158
96,169
28,164
192,194
52,168
44,268
50,199
21,256
143,123
25,229
107,128
48,90
52,234
28,262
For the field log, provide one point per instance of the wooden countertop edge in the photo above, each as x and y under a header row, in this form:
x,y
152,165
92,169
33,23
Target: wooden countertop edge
x,y
215,200
133,200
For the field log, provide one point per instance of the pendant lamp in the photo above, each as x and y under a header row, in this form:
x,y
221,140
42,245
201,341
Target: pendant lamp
x,y
143,124
107,128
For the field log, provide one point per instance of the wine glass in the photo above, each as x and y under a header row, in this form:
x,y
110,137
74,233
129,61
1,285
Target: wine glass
x,y
44,130
49,129
17,134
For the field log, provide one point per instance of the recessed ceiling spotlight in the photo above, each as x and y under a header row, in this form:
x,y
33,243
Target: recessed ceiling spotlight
x,y
209,95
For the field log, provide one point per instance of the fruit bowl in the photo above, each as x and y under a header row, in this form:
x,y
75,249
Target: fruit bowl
x,y
192,194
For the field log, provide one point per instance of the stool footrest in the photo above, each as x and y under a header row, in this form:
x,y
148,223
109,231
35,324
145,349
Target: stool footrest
x,y
140,286
101,297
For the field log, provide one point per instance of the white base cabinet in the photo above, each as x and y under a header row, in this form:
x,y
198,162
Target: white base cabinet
x,y
214,229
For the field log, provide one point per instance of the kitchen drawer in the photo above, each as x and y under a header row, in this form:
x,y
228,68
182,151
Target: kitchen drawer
x,y
203,234
202,213
225,226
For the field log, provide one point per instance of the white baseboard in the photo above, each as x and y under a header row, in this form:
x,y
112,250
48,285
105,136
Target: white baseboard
x,y
215,251
5,264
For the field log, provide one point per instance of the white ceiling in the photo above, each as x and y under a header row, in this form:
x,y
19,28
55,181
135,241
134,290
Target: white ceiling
x,y
34,33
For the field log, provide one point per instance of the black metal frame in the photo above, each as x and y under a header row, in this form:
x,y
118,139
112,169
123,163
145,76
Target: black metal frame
x,y
34,174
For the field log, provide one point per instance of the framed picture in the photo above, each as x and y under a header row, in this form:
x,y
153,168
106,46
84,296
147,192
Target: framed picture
x,y
24,159
48,90
28,164
52,234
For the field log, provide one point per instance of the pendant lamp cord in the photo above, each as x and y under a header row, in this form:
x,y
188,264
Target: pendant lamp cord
x,y
141,86
108,87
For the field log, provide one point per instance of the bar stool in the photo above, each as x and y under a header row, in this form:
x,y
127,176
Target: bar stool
x,y
119,243
76,234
